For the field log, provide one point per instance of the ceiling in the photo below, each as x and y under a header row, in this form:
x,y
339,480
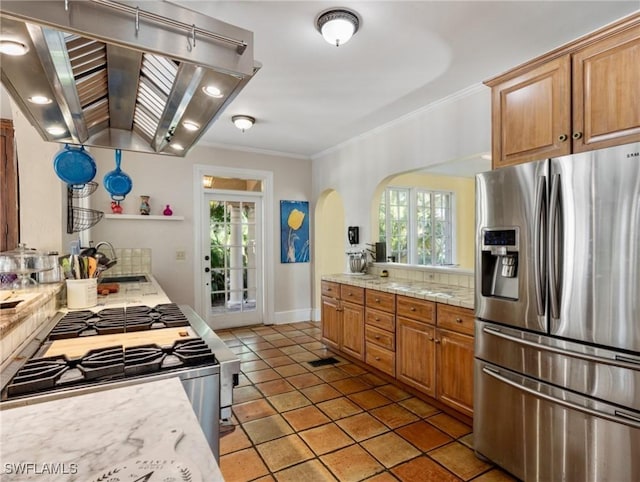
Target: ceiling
x,y
310,96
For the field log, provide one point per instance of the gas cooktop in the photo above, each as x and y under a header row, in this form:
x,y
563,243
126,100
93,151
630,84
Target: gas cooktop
x,y
118,320
116,360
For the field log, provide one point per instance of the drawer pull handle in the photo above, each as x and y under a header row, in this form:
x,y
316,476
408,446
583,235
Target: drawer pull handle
x,y
459,320
377,358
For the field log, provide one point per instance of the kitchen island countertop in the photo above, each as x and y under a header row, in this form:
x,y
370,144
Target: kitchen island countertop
x,y
75,438
441,293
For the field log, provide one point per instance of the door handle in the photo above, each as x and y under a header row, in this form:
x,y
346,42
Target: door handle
x,y
538,237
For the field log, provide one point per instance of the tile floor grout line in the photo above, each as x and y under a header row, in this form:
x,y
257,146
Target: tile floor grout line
x,y
326,381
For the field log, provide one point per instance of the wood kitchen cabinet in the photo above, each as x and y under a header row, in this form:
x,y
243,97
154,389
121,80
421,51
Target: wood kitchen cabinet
x,y
330,314
342,320
579,97
416,355
455,357
352,320
380,325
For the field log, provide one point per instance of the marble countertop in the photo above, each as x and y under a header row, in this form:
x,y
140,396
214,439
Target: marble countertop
x,y
132,429
441,293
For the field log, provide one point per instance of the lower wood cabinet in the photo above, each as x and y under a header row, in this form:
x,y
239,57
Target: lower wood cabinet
x,y
426,345
331,322
454,359
416,355
353,330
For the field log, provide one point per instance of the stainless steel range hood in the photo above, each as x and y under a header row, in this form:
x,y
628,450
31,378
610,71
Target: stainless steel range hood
x,y
122,75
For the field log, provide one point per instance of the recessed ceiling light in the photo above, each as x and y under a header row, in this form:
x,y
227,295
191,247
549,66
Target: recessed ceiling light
x,y
191,126
56,130
212,91
11,47
176,147
39,99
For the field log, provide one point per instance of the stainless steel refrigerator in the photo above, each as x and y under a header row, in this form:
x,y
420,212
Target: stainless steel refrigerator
x,y
557,370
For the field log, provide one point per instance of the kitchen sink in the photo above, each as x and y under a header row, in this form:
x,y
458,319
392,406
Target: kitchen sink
x,y
138,278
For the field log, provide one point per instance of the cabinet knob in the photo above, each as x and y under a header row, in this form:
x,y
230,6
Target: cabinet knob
x,y
349,294
430,338
577,135
377,358
413,308
377,300
329,289
377,337
459,320
562,137
377,319
437,341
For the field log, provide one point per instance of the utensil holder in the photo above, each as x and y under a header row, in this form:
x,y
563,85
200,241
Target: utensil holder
x,y
82,293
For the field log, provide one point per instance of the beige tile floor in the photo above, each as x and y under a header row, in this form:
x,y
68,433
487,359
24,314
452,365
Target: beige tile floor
x,y
295,422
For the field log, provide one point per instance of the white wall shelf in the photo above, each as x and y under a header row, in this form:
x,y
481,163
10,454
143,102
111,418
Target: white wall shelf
x,y
140,217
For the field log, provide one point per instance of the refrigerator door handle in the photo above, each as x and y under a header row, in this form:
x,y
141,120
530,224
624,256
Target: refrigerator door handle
x,y
617,362
618,417
539,257
554,204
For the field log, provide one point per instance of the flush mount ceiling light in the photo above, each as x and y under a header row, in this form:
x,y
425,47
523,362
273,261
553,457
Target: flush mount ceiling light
x,y
337,26
11,47
243,122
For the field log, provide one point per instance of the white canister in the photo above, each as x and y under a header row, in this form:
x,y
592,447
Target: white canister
x,y
82,293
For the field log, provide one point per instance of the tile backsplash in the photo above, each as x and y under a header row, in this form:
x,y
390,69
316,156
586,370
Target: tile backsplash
x,y
447,276
132,261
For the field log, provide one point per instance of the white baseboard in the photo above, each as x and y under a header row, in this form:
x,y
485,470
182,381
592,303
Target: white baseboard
x,y
293,316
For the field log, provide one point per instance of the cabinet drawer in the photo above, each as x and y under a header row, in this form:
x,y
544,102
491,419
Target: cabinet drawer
x,y
416,309
381,337
455,318
381,319
383,360
381,300
331,289
354,294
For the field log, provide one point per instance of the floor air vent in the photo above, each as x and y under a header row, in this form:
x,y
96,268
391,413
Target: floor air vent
x,y
324,361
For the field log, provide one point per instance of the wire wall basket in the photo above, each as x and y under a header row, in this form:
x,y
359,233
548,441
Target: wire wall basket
x,y
79,219
82,190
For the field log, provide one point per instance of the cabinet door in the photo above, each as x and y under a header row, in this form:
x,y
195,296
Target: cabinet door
x,y
331,322
531,114
606,92
455,370
353,330
416,354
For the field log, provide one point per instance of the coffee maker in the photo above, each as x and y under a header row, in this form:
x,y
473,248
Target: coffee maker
x,y
499,262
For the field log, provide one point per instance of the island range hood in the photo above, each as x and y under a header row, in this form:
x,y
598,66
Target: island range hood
x,y
147,76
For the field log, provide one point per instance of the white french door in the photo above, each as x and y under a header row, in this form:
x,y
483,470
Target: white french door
x,y
232,250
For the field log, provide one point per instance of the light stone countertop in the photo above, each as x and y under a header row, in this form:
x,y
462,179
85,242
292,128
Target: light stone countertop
x,y
82,436
425,290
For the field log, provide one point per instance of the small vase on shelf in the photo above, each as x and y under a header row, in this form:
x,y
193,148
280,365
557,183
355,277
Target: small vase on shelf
x,y
115,207
145,208
167,211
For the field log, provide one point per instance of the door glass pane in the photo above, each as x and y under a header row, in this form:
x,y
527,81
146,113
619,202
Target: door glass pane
x,y
232,233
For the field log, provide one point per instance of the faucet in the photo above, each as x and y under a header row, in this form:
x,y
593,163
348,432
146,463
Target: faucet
x,y
109,262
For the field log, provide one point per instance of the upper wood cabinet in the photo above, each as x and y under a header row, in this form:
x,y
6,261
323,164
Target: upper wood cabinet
x,y
580,97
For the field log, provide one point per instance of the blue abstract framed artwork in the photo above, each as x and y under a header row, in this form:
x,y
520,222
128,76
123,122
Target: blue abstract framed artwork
x,y
294,231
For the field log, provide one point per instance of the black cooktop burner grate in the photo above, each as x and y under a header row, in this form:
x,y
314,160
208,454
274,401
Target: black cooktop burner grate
x,y
118,320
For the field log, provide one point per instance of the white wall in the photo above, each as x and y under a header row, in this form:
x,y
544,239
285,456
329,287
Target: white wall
x,y
169,180
454,128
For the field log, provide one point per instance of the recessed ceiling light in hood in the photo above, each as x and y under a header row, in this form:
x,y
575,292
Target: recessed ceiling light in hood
x,y
122,77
